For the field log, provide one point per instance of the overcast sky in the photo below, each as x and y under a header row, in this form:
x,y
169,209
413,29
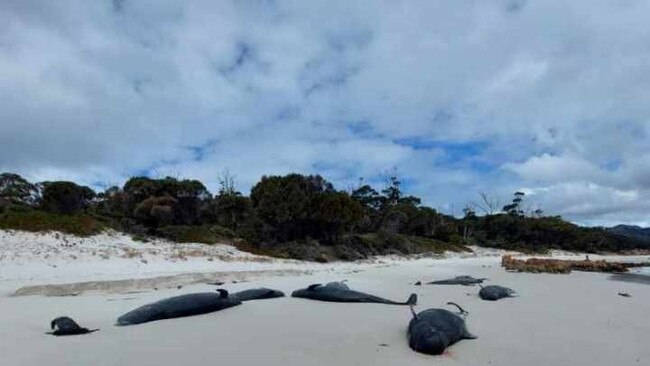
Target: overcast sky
x,y
548,97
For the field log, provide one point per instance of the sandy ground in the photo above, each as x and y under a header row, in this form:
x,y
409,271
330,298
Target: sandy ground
x,y
575,319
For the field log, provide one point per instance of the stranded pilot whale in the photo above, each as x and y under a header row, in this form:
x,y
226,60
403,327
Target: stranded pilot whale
x,y
64,326
459,280
340,292
257,294
432,331
179,306
494,293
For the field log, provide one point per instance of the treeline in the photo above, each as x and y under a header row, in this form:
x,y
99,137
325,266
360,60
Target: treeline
x,y
293,215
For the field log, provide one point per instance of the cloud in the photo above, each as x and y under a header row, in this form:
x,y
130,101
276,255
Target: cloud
x,y
552,169
594,204
460,97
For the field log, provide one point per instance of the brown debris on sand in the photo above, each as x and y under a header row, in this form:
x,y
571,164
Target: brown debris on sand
x,y
543,265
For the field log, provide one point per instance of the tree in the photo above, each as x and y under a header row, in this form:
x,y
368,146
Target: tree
x,y
188,195
335,213
367,197
156,212
65,197
231,210
371,202
515,207
469,220
392,192
112,202
227,184
410,200
488,204
18,190
424,222
138,189
294,207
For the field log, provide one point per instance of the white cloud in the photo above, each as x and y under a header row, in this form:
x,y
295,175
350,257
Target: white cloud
x,y
552,169
594,204
556,93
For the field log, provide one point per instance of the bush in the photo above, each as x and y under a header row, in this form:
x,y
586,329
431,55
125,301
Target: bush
x,y
296,207
35,221
16,189
197,234
65,197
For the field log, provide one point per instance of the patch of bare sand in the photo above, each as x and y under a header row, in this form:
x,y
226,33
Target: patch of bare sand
x,y
153,283
571,319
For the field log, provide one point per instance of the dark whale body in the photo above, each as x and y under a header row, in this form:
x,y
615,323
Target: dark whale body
x,y
179,306
459,280
432,331
494,293
64,326
340,292
257,294
341,285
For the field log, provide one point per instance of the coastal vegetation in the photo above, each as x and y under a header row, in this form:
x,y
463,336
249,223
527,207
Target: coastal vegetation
x,y
294,216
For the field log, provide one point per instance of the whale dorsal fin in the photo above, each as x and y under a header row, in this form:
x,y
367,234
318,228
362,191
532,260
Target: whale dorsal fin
x,y
313,287
224,293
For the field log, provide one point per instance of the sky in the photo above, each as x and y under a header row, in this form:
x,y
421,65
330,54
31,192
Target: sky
x,y
551,98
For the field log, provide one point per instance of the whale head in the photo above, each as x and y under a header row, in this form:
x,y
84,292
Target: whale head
x,y
428,340
271,294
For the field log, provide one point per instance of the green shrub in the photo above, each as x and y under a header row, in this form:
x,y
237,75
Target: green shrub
x,y
197,234
37,221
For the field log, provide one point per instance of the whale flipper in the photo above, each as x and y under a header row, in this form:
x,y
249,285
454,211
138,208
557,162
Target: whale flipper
x,y
468,335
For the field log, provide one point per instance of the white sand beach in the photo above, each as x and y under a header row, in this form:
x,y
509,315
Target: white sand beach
x,y
575,319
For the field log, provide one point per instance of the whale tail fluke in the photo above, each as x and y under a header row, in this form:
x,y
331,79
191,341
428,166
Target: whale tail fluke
x,y
78,332
462,311
412,300
412,307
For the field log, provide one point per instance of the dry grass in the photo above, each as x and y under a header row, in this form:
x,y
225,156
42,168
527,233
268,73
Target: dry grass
x,y
130,253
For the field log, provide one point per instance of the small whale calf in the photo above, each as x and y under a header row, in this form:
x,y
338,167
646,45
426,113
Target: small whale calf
x,y
257,294
179,306
494,293
65,326
459,280
432,331
340,292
